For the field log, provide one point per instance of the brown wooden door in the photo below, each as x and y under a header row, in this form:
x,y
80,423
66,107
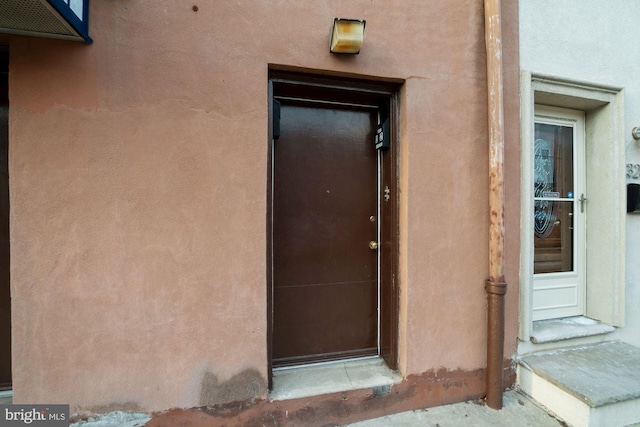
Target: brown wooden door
x,y
325,208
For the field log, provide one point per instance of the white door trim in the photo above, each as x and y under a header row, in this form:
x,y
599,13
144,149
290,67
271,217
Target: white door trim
x,y
605,140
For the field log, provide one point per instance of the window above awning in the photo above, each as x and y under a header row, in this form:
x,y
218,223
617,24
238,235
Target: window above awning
x,y
60,19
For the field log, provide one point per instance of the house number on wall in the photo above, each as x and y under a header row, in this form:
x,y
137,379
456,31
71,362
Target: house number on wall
x,y
633,170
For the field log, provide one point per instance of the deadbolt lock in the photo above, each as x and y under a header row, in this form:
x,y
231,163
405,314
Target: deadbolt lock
x,y
373,245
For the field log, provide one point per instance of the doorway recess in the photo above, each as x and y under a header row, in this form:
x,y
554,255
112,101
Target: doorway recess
x,y
332,223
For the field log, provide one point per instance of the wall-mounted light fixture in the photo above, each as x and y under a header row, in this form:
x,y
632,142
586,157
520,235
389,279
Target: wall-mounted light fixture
x,y
347,35
635,132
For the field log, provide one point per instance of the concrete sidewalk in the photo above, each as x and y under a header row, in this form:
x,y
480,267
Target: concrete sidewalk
x,y
518,411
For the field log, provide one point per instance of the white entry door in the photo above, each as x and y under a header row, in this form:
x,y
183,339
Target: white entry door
x,y
560,207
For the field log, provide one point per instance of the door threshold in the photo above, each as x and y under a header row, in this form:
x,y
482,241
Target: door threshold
x,y
553,330
295,382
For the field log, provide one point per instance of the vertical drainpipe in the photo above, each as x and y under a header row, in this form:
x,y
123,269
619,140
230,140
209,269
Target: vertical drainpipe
x,y
495,286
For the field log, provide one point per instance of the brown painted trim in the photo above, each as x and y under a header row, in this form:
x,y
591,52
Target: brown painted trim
x,y
320,87
433,388
6,375
390,235
269,240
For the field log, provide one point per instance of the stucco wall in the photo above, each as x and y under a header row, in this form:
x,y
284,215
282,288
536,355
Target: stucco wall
x,y
138,172
593,42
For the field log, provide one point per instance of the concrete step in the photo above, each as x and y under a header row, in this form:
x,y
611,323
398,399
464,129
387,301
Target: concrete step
x,y
591,386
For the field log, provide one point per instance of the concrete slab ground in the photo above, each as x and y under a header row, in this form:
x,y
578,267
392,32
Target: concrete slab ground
x,y
593,385
518,410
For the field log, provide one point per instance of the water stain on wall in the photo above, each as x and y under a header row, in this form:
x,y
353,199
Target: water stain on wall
x,y
432,388
244,386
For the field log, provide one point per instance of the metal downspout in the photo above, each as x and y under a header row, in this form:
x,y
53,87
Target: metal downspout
x,y
495,286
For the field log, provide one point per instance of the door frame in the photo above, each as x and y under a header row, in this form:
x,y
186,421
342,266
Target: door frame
x,y
5,292
605,135
283,83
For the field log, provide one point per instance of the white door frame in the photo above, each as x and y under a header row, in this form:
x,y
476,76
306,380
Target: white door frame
x,y
605,156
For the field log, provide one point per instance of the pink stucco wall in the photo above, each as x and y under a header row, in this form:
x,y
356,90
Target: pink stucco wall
x,y
138,170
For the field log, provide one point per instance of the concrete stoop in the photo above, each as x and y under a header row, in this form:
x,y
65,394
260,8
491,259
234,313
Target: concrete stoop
x,y
591,386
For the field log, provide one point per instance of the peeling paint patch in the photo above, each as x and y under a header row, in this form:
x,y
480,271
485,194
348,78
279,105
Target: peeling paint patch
x,y
247,385
118,418
381,391
83,413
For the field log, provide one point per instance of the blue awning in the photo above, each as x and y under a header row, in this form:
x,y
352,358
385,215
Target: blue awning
x,y
61,19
